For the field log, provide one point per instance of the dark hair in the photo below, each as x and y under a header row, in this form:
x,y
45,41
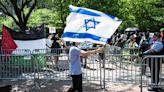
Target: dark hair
x,y
157,34
73,44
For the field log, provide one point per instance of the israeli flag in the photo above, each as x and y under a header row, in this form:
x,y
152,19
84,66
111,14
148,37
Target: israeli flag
x,y
89,25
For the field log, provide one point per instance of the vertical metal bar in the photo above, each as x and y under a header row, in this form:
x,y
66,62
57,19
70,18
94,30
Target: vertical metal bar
x,y
104,72
142,62
99,60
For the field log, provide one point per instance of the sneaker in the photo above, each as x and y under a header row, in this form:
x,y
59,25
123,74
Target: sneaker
x,y
6,88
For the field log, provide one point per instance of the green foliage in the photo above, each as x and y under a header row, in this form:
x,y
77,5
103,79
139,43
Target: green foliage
x,y
15,9
144,14
134,13
40,16
7,21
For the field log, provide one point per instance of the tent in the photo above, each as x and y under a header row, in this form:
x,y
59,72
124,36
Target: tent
x,y
132,29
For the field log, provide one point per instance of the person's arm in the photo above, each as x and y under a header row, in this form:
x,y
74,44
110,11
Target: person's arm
x,y
149,52
136,45
90,52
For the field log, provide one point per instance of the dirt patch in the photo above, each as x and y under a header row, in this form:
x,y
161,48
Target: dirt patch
x,y
62,86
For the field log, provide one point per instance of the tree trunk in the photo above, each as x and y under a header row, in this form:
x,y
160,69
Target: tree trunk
x,y
18,7
23,27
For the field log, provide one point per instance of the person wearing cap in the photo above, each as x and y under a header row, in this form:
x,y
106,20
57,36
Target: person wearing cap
x,y
75,65
155,49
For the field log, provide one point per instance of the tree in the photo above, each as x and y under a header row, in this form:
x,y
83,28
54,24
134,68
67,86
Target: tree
x,y
146,14
160,8
39,17
16,9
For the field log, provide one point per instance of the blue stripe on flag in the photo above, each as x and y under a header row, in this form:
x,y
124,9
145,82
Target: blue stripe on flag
x,y
83,36
112,17
83,11
87,12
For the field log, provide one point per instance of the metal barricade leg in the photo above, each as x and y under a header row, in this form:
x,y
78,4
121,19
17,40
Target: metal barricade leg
x,y
141,77
104,74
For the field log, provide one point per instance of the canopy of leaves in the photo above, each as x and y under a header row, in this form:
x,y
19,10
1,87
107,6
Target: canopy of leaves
x,y
16,10
41,16
144,14
134,13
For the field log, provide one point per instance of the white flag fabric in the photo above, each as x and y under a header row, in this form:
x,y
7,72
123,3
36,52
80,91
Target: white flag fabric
x,y
85,24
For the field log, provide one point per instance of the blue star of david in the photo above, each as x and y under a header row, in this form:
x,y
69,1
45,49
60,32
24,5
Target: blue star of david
x,y
90,23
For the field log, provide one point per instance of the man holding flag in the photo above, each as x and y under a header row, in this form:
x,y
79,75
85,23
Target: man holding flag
x,y
75,65
86,25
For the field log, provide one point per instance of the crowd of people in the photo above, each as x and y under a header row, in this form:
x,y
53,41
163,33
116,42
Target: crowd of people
x,y
133,39
149,43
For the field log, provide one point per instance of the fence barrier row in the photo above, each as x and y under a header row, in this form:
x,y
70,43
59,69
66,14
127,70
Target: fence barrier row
x,y
120,66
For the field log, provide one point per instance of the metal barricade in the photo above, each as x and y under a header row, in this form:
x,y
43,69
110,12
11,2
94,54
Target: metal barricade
x,y
15,52
92,68
17,66
56,66
45,65
152,72
130,51
121,69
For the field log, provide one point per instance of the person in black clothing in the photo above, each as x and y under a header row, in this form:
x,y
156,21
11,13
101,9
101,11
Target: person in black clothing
x,y
143,47
55,48
55,43
138,38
